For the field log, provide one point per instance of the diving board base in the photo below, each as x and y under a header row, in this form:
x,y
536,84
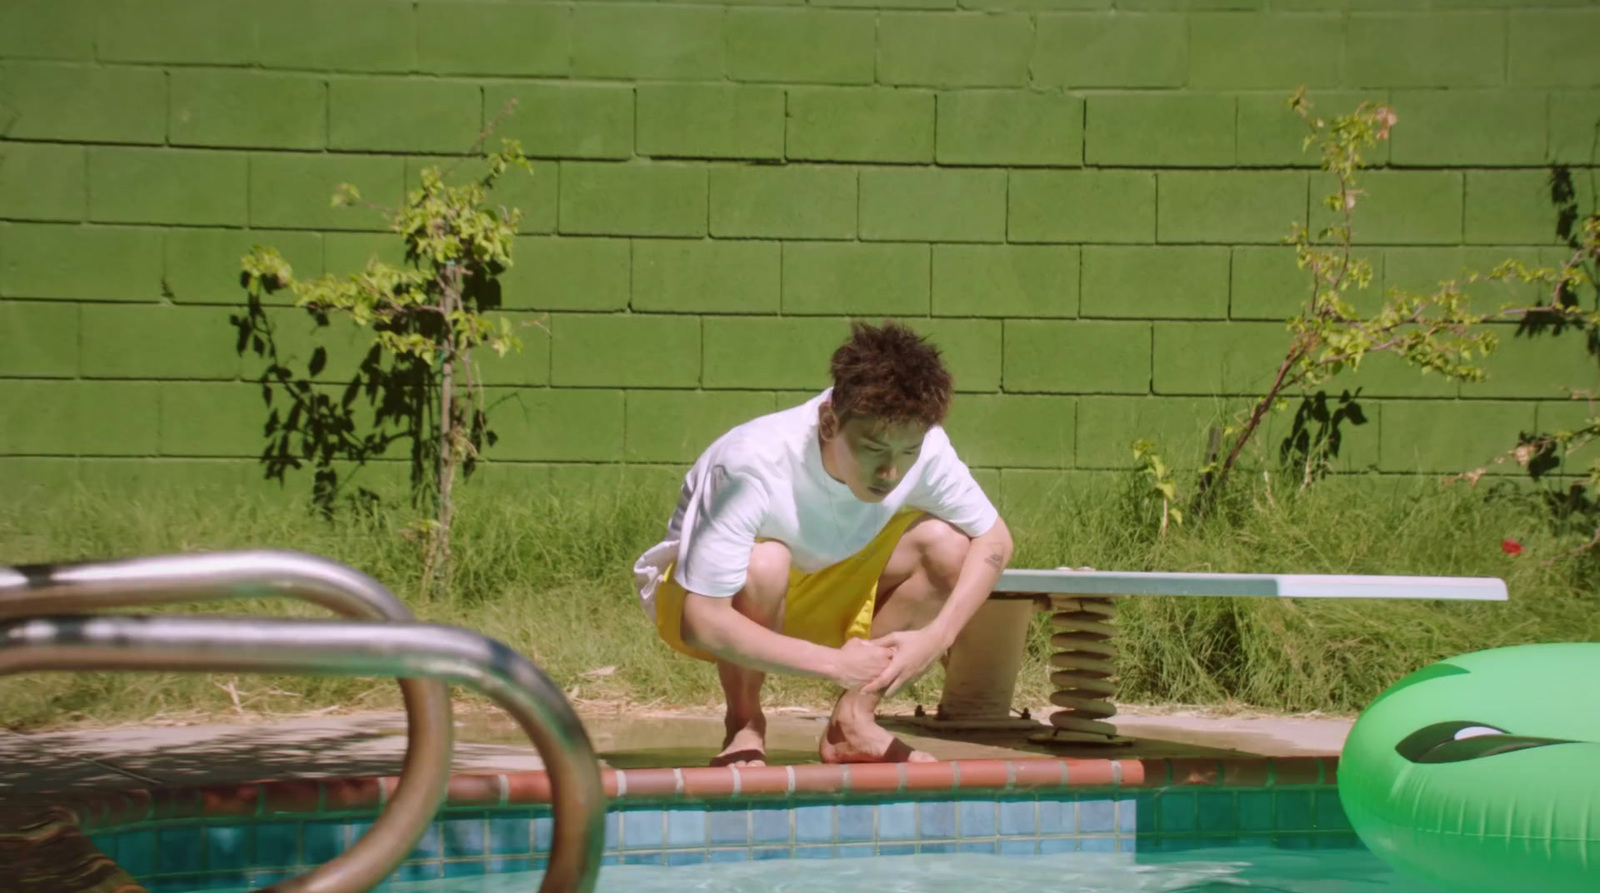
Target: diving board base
x,y
1078,739
982,665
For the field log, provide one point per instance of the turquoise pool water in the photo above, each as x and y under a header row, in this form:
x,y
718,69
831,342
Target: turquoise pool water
x,y
1222,870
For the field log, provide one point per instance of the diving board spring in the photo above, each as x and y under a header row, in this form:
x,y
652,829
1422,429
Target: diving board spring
x,y
1081,669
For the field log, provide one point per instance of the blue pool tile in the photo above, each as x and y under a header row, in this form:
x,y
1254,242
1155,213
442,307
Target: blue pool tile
x,y
1097,816
1337,841
1128,815
538,863
1260,841
1019,817
180,849
686,827
1019,847
1216,811
770,825
977,846
977,818
730,827
1097,845
897,849
510,835
643,828
897,821
938,820
857,822
1294,810
609,860
854,851
263,878
813,824
503,864
321,841
741,854
224,880
947,847
1057,817
1255,810
1050,845
762,854
1330,812
1177,810
814,852
464,868
227,846
419,871
431,846
644,858
136,852
613,831
465,837
1145,812
1293,841
1174,844
1127,845
687,857
277,843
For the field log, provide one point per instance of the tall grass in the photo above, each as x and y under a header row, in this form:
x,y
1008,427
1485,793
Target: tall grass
x,y
548,572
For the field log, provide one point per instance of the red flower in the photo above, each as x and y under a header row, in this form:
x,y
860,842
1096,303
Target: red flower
x,y
1511,547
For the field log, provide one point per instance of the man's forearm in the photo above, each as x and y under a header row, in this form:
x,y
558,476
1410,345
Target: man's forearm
x,y
734,637
987,557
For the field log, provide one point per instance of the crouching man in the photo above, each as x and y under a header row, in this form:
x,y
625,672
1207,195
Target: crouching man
x,y
842,538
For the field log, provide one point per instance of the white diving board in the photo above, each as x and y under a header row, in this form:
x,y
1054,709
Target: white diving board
x,y
981,667
1065,581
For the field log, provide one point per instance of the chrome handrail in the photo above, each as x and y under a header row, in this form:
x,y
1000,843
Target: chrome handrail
x,y
334,647
82,587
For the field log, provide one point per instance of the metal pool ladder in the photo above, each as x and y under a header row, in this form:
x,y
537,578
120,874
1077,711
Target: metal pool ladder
x,y
46,624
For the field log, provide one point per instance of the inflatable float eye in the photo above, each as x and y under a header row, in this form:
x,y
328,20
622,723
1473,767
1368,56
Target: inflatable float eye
x,y
1456,742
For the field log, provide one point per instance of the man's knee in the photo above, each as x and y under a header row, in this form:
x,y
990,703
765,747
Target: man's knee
x,y
942,550
766,583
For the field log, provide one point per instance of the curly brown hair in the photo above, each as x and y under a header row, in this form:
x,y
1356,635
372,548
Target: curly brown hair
x,y
891,373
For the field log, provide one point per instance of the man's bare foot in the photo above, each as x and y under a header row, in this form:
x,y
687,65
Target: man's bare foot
x,y
745,744
852,739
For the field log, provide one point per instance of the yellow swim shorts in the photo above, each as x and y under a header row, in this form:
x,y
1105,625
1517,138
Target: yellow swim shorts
x,y
826,607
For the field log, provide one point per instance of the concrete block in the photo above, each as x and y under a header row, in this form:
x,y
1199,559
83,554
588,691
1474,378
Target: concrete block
x,y
195,188
682,276
1005,280
787,202
1077,357
933,204
838,278
1142,282
632,199
1081,206
634,350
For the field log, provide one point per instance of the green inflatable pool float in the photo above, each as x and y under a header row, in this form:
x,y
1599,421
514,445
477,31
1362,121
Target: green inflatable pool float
x,y
1481,773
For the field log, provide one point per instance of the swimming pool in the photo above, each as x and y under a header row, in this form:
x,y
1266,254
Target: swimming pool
x,y
1072,825
1218,870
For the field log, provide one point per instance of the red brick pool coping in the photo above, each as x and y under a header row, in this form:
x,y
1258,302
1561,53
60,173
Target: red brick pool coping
x,y
51,830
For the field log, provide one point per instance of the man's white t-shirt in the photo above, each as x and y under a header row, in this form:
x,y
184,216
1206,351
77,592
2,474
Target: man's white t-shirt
x,y
764,479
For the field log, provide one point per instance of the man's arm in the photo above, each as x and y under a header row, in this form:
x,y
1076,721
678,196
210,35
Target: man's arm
x,y
712,624
916,649
987,557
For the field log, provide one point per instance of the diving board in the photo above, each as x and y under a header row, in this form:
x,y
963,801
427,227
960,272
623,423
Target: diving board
x,y
1075,582
982,665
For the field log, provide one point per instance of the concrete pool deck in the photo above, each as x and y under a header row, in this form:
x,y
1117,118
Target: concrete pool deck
x,y
372,744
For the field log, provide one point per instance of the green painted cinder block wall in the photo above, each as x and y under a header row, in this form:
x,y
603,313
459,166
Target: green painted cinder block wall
x,y
1081,201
